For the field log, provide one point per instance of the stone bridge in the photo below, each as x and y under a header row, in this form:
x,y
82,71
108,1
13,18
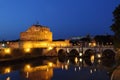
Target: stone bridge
x,y
79,51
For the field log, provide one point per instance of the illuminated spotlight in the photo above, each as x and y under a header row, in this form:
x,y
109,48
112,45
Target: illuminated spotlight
x,y
80,59
7,51
76,59
80,54
27,68
7,70
27,50
62,67
3,45
50,48
94,44
50,64
92,58
99,55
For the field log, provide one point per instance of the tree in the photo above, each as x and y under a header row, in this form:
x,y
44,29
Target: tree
x,y
115,27
104,39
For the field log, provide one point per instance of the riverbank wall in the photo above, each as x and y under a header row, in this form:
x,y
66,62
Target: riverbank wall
x,y
8,54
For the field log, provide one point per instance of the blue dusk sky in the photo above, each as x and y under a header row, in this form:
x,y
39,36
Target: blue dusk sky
x,y
65,18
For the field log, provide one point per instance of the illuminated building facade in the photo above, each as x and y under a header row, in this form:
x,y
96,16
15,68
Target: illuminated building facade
x,y
44,44
38,36
36,33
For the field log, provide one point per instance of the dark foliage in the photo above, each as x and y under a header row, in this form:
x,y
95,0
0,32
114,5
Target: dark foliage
x,y
115,27
104,39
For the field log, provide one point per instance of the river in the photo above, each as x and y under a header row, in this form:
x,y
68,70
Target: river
x,y
54,68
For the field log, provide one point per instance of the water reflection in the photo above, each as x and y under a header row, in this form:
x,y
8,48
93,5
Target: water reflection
x,y
44,72
56,69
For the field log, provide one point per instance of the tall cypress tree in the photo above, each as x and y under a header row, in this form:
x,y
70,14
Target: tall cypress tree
x,y
115,27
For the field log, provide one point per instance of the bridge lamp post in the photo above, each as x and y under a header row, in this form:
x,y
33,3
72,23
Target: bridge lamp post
x,y
81,53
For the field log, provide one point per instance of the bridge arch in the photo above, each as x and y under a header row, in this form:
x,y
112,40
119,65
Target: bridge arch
x,y
85,51
88,53
108,53
62,52
87,61
74,52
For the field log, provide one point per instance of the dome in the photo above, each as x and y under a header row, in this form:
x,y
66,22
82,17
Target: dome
x,y
36,33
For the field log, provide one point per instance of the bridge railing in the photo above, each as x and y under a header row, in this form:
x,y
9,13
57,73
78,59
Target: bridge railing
x,y
106,46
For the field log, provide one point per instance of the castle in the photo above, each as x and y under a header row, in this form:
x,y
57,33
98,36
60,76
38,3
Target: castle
x,y
37,36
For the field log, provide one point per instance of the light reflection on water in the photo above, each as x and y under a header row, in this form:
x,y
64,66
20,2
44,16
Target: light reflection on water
x,y
58,69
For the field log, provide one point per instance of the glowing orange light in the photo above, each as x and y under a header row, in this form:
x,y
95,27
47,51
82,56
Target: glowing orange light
x,y
7,70
62,67
7,51
50,48
92,58
27,68
27,50
50,64
76,59
94,44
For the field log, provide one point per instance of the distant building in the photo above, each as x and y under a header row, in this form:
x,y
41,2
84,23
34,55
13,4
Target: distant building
x,y
14,44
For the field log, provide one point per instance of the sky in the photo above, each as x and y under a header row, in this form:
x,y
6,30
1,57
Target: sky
x,y
65,18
